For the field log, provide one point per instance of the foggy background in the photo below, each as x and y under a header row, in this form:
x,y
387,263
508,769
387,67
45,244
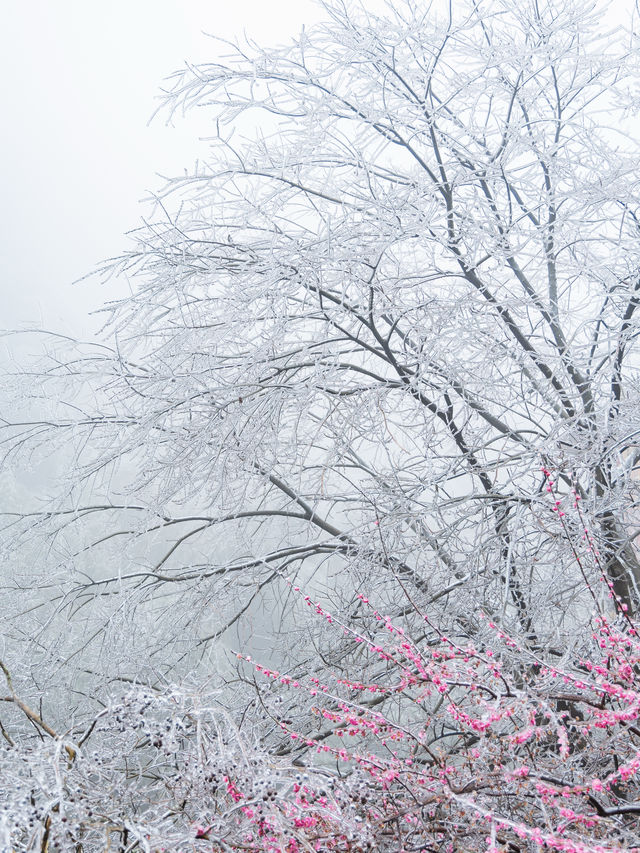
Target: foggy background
x,y
79,81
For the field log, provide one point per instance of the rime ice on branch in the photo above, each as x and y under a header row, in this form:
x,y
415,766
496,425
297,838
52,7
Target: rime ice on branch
x,y
352,339
423,741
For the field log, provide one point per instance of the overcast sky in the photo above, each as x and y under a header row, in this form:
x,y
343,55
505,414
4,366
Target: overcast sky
x,y
79,80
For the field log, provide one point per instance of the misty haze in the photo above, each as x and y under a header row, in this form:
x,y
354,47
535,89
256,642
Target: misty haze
x,y
319,424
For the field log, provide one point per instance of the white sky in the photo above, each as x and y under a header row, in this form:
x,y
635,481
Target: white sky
x,y
78,81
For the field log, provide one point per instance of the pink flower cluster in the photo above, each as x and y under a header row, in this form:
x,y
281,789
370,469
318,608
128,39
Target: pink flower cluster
x,y
457,736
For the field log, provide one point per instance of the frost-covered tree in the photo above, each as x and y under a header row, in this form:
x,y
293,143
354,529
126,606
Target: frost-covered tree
x,y
402,280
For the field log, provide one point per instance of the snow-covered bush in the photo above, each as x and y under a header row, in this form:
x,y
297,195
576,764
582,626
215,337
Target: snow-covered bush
x,y
430,742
